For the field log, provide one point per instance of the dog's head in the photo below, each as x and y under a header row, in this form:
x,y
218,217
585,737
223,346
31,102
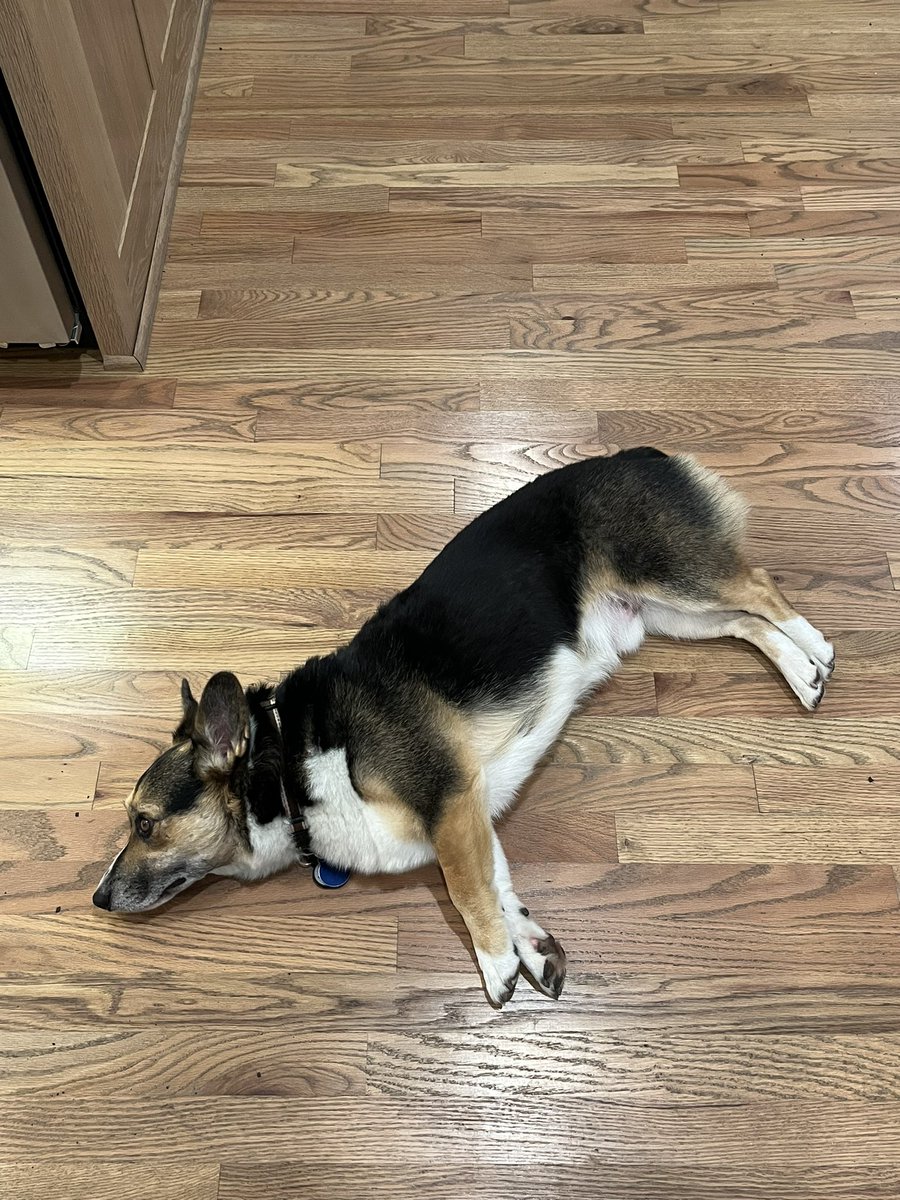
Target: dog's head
x,y
186,811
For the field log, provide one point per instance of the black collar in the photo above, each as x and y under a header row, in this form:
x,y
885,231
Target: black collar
x,y
293,812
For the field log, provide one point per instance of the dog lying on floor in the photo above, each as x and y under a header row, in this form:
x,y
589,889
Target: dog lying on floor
x,y
407,744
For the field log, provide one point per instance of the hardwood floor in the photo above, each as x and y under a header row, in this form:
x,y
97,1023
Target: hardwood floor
x,y
424,250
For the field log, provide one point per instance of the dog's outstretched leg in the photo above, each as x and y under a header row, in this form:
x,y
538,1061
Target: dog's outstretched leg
x,y
463,841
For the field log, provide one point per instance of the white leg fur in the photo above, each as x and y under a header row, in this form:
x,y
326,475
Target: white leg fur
x,y
802,674
539,952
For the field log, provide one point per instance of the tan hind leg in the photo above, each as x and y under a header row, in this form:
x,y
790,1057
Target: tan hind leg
x,y
464,844
754,591
751,607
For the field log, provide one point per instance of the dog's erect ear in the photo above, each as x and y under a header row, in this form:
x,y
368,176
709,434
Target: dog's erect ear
x,y
185,727
221,725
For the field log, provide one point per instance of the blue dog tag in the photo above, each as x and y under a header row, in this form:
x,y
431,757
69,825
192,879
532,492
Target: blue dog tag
x,y
327,876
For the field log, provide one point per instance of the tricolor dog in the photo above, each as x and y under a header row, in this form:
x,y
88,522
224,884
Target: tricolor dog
x,y
405,746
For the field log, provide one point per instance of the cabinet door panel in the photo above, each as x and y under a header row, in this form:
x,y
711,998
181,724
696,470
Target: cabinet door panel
x,y
99,86
114,52
154,18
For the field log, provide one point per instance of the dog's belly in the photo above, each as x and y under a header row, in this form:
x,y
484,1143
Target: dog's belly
x,y
611,628
350,832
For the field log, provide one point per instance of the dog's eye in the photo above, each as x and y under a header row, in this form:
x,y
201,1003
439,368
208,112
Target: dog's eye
x,y
144,826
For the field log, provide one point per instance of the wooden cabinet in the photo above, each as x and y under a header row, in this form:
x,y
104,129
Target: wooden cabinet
x,y
103,90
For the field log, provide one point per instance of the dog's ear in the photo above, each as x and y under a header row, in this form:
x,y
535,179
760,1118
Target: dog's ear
x,y
221,726
185,727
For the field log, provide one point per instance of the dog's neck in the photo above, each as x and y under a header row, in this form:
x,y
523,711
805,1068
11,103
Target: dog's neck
x,y
307,717
265,768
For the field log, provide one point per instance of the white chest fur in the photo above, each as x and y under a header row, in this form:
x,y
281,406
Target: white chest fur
x,y
350,832
610,629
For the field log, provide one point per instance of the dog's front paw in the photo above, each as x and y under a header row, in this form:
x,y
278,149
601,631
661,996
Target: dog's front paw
x,y
500,973
540,953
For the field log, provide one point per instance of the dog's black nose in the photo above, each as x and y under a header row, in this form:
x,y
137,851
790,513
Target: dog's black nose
x,y
102,897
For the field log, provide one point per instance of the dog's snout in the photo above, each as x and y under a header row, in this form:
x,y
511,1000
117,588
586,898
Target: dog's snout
x,y
102,898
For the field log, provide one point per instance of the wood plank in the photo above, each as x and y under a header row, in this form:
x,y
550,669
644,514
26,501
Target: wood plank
x,y
158,608
852,168
825,222
175,305
22,423
477,174
74,565
628,1182
859,359
130,458
698,429
152,647
407,330
471,122
589,199
645,1069
185,531
850,791
26,782
746,838
876,302
256,248
266,24
416,421
124,393
236,172
174,492
598,277
374,271
48,944
220,198
201,1061
211,1128
313,8
851,249
316,567
834,195
838,742
585,148
766,694
841,16
455,85
850,104
579,25
98,1180
737,391
356,397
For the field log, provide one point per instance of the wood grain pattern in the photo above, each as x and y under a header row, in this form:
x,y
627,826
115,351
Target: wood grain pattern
x,y
636,1071
824,792
423,251
15,646
205,1061
212,1128
103,1181
769,837
630,1182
